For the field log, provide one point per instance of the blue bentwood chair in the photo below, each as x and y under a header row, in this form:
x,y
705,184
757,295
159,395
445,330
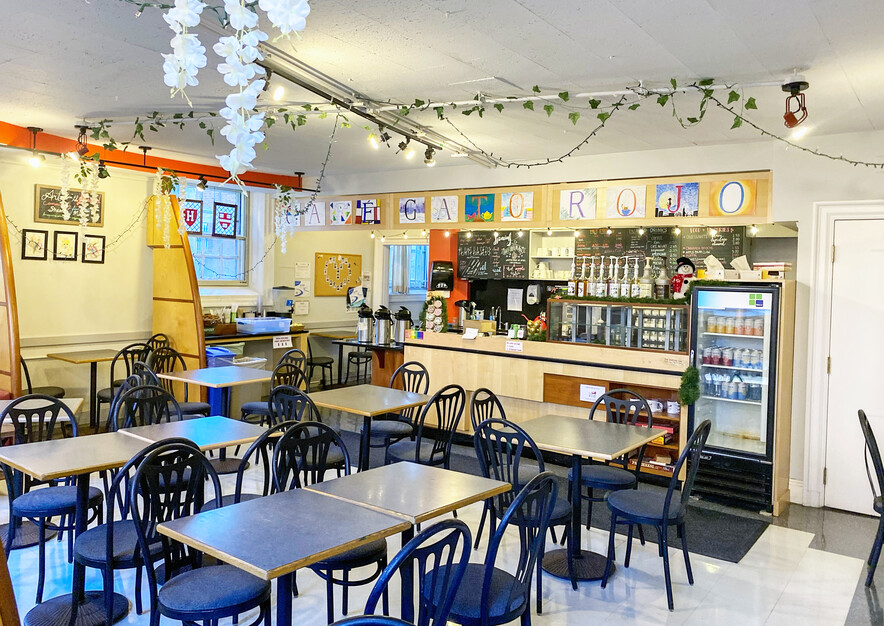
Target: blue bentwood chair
x,y
372,620
411,376
442,412
113,545
289,371
302,457
872,451
632,506
170,484
488,595
501,446
432,555
41,418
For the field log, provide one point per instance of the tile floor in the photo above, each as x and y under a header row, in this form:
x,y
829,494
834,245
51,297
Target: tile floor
x,y
806,568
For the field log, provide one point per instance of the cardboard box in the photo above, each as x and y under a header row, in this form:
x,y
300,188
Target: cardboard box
x,y
483,326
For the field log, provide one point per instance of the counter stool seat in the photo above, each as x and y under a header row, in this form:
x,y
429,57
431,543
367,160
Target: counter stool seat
x,y
52,501
105,395
466,610
360,359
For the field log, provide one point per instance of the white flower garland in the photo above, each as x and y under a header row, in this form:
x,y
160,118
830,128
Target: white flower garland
x,y
64,193
181,67
282,212
240,51
182,196
162,208
89,199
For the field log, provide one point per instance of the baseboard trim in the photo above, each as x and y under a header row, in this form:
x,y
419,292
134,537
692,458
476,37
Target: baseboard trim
x,y
796,491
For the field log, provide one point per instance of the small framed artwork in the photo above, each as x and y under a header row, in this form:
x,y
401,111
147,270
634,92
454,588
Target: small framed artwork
x,y
93,249
33,244
224,224
64,246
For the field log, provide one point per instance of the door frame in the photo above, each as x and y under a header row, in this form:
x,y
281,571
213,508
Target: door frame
x,y
819,336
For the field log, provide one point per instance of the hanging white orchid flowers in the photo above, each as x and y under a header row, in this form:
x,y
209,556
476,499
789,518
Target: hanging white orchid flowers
x,y
240,52
67,166
89,198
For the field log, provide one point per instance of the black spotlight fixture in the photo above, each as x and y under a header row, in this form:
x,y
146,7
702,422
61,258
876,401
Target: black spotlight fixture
x,y
430,156
202,184
102,170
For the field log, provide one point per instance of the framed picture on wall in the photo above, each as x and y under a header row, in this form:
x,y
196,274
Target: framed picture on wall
x,y
64,246
47,206
224,220
93,249
33,244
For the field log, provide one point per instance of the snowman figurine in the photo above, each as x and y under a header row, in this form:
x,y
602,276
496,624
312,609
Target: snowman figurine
x,y
684,274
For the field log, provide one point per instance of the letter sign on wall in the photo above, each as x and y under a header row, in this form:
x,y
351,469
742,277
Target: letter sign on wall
x,y
625,202
733,197
578,204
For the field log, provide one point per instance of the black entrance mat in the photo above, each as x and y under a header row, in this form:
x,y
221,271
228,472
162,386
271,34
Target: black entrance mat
x,y
711,531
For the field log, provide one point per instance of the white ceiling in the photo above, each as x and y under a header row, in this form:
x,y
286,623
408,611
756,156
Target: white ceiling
x,y
62,62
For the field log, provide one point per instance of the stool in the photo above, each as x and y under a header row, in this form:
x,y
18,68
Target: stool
x,y
360,359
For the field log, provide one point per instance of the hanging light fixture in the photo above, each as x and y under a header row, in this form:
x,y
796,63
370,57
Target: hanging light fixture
x,y
429,156
404,147
102,170
36,159
549,232
796,110
82,148
202,184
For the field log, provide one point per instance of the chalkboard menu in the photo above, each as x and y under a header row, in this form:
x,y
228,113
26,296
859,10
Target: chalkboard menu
x,y
486,255
47,206
658,243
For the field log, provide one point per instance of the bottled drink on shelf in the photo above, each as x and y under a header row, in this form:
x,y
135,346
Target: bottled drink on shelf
x,y
635,284
601,286
624,280
662,288
612,288
646,282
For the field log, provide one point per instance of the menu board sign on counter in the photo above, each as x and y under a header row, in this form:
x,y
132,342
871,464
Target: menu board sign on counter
x,y
726,244
485,255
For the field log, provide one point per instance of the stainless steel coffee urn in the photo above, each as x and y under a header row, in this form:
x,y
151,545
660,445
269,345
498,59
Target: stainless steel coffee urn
x,y
402,324
383,325
365,325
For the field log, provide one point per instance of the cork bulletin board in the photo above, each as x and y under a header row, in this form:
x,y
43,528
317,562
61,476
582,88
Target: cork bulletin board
x,y
335,273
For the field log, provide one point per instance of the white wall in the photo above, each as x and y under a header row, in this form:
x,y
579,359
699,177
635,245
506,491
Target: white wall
x,y
799,180
69,305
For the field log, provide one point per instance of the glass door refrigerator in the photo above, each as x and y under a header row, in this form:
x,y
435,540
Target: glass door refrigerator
x,y
734,340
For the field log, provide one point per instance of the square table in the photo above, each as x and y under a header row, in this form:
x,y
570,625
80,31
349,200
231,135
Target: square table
x,y
93,358
414,492
60,458
209,433
583,437
368,401
221,378
273,536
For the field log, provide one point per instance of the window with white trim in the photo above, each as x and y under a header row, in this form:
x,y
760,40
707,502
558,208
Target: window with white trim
x,y
217,225
408,269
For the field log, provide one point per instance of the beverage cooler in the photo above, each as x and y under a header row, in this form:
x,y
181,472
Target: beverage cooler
x,y
734,345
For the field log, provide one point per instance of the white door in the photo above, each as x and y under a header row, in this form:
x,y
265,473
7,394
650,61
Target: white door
x,y
856,349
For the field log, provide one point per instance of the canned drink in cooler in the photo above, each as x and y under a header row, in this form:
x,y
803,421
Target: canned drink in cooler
x,y
716,356
742,391
727,357
759,326
707,355
757,359
729,326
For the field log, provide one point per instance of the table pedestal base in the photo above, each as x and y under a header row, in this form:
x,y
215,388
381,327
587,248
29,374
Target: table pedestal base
x,y
587,566
90,612
26,535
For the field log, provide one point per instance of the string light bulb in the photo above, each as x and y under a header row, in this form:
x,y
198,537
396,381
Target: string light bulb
x,y
641,231
712,232
383,238
496,234
677,230
447,234
608,230
423,232
520,233
278,93
549,232
753,230
469,234
373,140
405,235
372,234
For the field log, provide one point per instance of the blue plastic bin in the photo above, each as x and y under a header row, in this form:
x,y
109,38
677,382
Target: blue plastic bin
x,y
216,356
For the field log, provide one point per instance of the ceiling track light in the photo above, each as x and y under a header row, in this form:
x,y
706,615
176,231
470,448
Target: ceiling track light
x,y
202,183
36,159
796,110
430,156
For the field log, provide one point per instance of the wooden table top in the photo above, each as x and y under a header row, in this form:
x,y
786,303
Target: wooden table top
x,y
412,491
219,377
8,429
334,334
46,460
586,437
368,400
85,356
278,534
209,433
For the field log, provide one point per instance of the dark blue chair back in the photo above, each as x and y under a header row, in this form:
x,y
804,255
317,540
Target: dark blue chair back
x,y
166,360
501,446
126,359
690,455
872,452
295,357
530,512
439,556
170,484
300,457
484,405
442,412
143,405
623,406
158,340
262,446
290,374
35,418
287,403
410,376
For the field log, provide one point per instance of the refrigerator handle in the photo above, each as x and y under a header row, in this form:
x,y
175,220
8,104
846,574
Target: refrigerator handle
x,y
691,359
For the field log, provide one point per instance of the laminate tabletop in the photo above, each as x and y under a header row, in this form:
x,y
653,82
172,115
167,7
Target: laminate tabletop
x,y
586,437
368,400
7,429
413,491
219,377
209,433
334,334
85,356
46,460
283,532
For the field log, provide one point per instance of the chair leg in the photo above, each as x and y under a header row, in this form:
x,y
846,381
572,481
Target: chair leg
x,y
610,558
482,525
875,554
525,619
628,545
329,597
345,591
661,533
641,534
41,556
684,548
552,532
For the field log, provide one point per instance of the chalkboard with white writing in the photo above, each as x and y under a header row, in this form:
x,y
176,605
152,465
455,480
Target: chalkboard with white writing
x,y
47,206
485,255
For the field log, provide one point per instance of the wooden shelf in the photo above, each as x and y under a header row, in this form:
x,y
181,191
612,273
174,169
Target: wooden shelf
x,y
653,470
665,446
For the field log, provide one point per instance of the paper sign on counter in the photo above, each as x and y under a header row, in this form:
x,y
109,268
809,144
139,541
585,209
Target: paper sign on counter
x,y
282,341
470,333
591,393
514,346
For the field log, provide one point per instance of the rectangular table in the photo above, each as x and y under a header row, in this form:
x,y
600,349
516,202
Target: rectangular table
x,y
93,358
274,536
221,378
60,458
417,493
7,429
583,437
368,401
209,433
